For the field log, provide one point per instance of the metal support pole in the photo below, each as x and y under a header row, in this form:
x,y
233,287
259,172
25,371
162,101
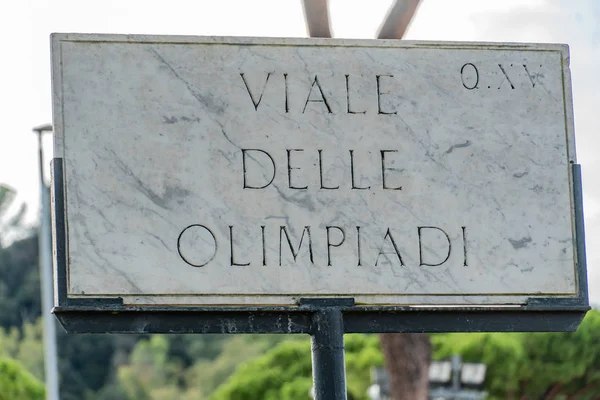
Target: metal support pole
x,y
398,18
329,369
456,364
316,14
45,256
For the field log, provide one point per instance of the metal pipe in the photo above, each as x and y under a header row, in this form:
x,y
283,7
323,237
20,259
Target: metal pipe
x,y
45,255
398,19
316,15
329,369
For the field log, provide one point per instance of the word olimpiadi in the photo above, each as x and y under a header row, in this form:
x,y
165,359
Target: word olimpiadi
x,y
273,245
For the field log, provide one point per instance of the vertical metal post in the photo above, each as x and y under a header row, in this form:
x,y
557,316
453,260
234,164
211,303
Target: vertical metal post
x,y
397,19
456,364
316,15
329,369
45,250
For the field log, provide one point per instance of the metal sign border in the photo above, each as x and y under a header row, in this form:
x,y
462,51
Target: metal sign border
x,y
109,315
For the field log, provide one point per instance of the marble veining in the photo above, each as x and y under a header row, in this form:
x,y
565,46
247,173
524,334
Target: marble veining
x,y
256,171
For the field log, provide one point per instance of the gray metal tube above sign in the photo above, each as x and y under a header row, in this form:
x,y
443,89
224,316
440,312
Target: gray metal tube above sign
x,y
203,171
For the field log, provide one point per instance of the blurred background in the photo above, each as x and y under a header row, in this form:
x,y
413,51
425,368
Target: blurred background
x,y
516,366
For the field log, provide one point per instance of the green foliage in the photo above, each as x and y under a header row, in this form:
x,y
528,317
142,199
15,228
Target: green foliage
x,y
296,389
363,352
19,286
111,391
569,363
207,375
519,365
189,349
265,377
154,372
19,283
149,374
503,354
285,372
24,345
85,363
17,383
531,365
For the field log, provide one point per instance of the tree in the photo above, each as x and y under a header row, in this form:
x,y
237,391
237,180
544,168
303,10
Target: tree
x,y
285,372
503,354
563,365
527,366
407,357
206,375
150,375
19,283
25,345
284,369
160,367
523,366
85,363
17,383
10,225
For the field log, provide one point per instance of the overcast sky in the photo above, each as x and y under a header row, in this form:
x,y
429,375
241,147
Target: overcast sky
x,y
25,27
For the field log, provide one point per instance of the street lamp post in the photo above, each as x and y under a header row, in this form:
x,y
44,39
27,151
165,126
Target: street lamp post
x,y
45,250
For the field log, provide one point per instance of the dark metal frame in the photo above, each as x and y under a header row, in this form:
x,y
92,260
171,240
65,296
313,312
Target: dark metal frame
x,y
109,315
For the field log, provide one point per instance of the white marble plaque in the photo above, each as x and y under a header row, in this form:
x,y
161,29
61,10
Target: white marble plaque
x,y
202,170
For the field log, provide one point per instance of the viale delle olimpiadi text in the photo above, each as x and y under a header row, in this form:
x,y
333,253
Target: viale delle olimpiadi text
x,y
291,171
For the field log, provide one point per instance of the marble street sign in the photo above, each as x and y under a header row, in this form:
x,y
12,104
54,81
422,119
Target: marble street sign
x,y
245,171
